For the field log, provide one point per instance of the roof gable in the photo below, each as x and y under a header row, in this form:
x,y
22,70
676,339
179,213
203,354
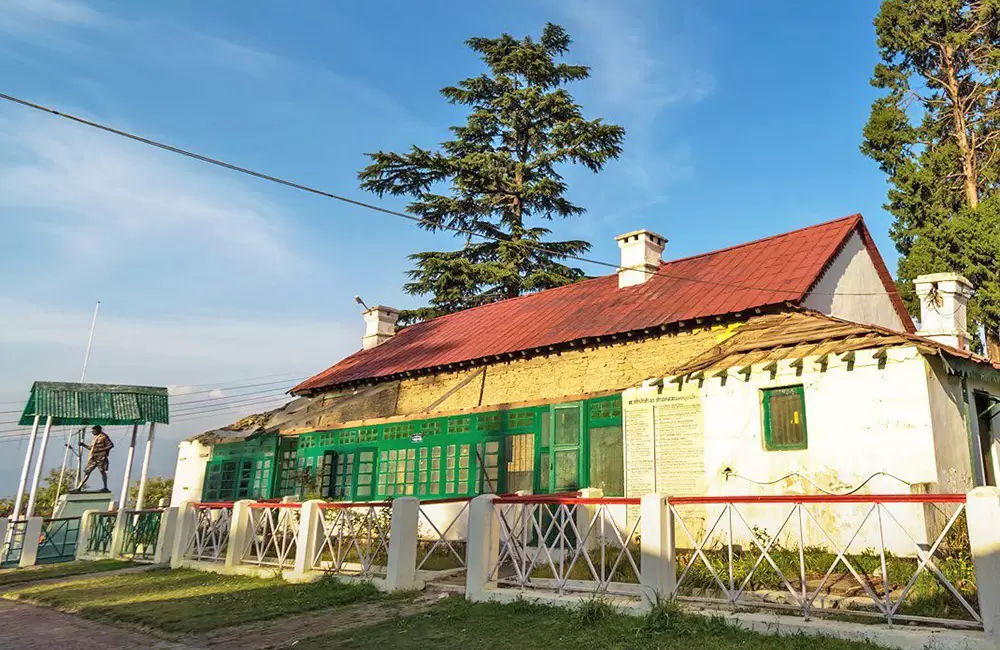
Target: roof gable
x,y
765,273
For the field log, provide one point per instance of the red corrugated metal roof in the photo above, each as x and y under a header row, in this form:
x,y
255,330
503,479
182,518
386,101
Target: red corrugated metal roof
x,y
757,274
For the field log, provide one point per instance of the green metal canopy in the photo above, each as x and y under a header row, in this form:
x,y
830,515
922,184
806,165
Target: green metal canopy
x,y
105,404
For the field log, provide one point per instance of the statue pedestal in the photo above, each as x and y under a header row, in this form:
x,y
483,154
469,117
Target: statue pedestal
x,y
74,505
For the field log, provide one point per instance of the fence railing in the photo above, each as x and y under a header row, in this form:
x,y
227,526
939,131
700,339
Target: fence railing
x,y
10,553
566,544
442,534
895,557
58,540
141,533
273,534
209,538
353,538
102,528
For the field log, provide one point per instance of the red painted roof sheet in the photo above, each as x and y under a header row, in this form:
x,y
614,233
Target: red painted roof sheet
x,y
757,274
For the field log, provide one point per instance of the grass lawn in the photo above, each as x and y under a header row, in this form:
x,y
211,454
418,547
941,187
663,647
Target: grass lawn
x,y
64,569
456,623
185,601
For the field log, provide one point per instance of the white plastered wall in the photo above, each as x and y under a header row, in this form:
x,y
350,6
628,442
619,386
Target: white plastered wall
x,y
862,419
189,476
851,289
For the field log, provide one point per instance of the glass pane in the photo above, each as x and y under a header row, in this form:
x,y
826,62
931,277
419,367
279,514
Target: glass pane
x,y
787,422
567,430
544,484
567,476
520,462
607,461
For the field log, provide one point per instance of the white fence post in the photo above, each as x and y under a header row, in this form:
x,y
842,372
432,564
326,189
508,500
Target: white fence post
x,y
482,548
118,534
4,527
983,516
239,532
585,514
656,543
186,521
165,537
83,537
308,535
29,549
401,572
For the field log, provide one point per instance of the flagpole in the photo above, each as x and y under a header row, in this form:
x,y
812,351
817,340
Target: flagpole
x,y
83,376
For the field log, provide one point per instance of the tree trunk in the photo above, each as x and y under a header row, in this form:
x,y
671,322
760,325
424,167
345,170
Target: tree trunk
x,y
965,150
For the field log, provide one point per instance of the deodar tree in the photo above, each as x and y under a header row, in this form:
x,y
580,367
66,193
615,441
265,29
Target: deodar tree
x,y
498,178
935,134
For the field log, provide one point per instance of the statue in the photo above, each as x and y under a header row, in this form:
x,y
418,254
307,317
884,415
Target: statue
x,y
99,448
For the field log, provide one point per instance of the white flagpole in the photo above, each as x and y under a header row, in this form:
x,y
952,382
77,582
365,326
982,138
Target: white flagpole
x,y
83,375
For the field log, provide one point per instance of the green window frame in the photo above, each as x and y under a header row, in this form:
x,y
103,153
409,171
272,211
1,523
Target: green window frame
x,y
784,418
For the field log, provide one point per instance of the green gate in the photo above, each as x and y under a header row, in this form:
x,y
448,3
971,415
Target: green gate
x,y
142,530
58,540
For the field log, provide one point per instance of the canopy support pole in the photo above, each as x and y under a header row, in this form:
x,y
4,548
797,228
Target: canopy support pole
x,y
123,499
19,499
38,467
145,465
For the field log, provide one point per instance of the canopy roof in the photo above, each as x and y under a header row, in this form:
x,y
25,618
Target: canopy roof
x,y
74,403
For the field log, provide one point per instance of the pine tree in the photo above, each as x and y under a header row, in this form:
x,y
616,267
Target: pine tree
x,y
498,177
935,134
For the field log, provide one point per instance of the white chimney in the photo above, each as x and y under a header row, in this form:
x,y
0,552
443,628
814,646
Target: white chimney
x,y
641,254
944,298
380,326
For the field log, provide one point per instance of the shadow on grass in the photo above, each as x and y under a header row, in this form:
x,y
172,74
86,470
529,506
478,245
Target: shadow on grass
x,y
187,601
62,570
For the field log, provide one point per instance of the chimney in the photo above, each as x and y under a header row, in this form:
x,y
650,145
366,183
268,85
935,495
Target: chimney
x,y
943,301
641,254
380,326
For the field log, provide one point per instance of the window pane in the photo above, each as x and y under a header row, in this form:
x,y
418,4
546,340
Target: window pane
x,y
520,462
785,412
567,476
567,431
607,460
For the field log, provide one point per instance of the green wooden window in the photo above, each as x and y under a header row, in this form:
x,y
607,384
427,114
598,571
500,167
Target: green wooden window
x,y
337,475
784,415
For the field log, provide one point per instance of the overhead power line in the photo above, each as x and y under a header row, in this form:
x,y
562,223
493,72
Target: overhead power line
x,y
402,215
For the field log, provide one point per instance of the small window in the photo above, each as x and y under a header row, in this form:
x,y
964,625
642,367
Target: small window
x,y
784,418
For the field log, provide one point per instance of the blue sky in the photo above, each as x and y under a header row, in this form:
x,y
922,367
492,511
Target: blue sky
x,y
743,120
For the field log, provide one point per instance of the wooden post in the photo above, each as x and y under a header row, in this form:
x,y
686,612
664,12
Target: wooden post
x,y
36,477
18,500
145,465
123,499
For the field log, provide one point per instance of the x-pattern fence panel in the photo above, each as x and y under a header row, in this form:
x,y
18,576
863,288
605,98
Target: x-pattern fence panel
x,y
353,538
442,545
737,562
58,540
274,531
210,537
141,534
102,527
567,545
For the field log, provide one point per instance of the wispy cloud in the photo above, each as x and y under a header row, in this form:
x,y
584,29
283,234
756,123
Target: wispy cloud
x,y
35,15
646,58
100,201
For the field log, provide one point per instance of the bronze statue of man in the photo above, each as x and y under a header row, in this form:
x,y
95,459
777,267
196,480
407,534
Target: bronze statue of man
x,y
99,448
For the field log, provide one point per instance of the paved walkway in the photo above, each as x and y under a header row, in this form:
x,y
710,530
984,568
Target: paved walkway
x,y
28,627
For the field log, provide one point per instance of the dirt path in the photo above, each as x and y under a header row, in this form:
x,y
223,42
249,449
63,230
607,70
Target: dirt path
x,y
29,627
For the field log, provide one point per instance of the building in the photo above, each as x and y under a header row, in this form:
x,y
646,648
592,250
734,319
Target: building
x,y
784,364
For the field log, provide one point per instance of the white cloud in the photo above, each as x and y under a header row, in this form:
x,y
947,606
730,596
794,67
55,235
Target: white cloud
x,y
100,200
35,15
645,57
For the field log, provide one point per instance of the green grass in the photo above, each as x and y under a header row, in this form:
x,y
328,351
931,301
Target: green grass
x,y
62,570
456,623
185,601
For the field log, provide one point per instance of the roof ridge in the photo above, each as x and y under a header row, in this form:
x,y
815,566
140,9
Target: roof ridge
x,y
856,216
